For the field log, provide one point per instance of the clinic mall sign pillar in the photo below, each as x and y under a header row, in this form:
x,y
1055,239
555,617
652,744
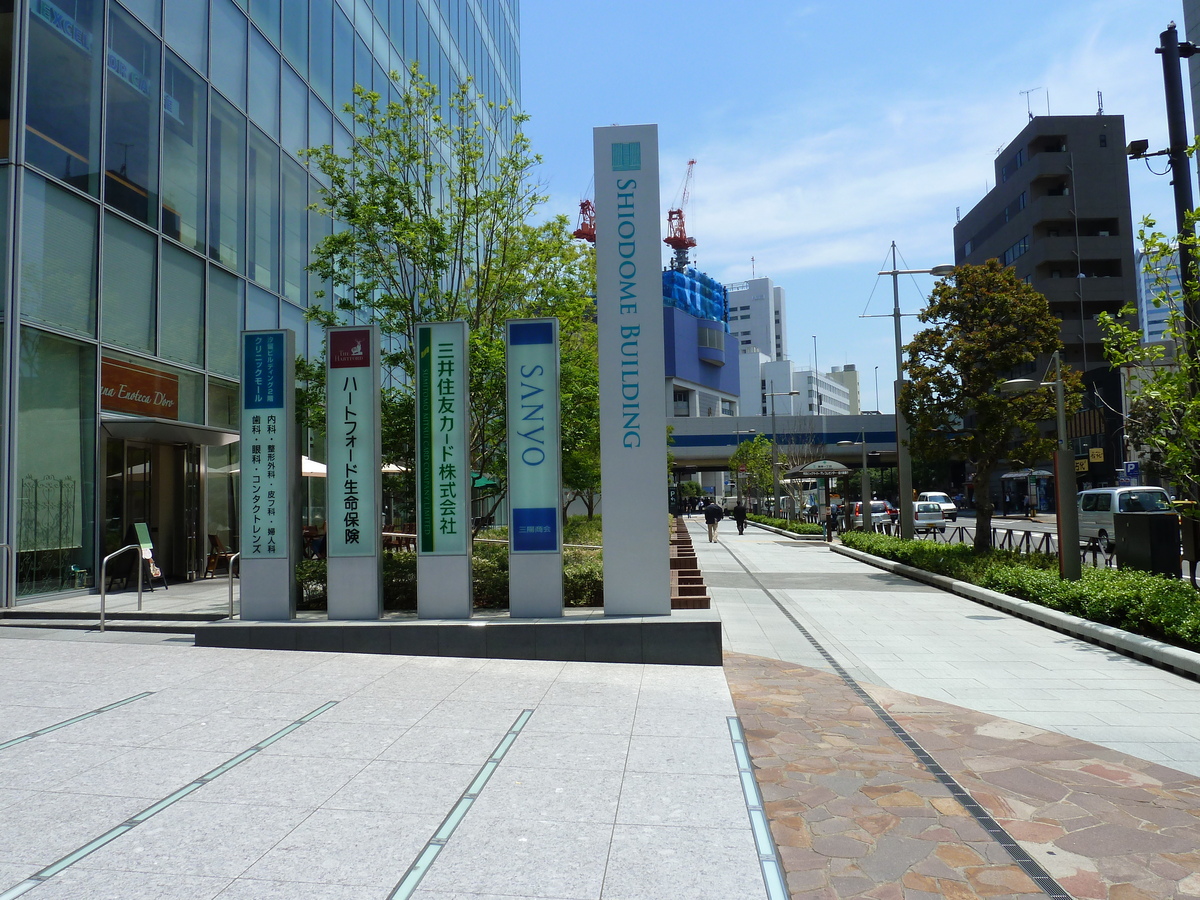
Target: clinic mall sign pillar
x,y
633,425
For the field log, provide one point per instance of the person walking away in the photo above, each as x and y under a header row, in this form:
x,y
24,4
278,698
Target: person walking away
x,y
739,516
712,515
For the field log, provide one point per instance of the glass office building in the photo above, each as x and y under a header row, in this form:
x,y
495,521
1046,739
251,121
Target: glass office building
x,y
155,205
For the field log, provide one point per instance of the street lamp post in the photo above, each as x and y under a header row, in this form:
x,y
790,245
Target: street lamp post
x,y
1067,515
903,457
868,513
775,442
737,437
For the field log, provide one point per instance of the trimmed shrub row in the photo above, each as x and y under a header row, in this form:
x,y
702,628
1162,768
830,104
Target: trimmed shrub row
x,y
1154,606
583,572
786,525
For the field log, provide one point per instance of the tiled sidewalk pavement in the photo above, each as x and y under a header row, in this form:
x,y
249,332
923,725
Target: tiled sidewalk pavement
x,y
856,815
622,784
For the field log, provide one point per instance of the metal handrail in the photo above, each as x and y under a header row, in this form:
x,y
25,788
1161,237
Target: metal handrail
x,y
230,563
104,577
9,576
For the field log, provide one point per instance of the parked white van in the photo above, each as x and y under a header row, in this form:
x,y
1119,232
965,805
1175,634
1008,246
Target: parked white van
x,y
1096,508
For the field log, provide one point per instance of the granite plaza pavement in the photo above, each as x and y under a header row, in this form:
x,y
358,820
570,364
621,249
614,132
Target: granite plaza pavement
x,y
904,744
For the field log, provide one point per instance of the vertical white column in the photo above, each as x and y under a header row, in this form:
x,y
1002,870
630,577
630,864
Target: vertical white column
x,y
270,475
535,575
443,472
353,482
633,426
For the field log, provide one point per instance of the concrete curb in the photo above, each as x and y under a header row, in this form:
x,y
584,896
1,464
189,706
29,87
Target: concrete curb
x,y
788,534
1183,662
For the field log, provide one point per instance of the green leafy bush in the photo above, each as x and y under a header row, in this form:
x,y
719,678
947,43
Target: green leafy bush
x,y
785,525
583,572
1165,609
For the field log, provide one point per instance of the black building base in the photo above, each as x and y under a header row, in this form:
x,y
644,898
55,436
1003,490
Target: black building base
x,y
675,640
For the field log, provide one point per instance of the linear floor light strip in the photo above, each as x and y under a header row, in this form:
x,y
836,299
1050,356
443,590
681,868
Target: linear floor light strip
x,y
768,853
1030,866
154,809
79,718
412,878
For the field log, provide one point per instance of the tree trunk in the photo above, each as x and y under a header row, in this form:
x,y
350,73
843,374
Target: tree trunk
x,y
984,507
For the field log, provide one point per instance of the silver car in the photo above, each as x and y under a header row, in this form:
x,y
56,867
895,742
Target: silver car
x,y
928,517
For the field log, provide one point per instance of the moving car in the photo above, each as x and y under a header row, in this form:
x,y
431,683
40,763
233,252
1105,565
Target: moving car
x,y
928,517
1096,508
948,506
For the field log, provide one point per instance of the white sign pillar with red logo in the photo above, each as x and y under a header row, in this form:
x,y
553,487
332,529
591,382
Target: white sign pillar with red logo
x,y
353,481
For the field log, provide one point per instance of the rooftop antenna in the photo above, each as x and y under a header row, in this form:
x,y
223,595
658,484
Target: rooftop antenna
x,y
752,267
1099,103
1026,94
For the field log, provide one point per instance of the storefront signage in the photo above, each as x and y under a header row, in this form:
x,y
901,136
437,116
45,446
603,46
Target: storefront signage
x,y
633,432
1081,464
1096,454
352,434
534,469
534,454
443,470
264,463
270,464
128,387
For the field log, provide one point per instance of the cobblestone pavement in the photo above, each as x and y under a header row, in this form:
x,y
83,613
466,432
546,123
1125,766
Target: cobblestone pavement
x,y
856,814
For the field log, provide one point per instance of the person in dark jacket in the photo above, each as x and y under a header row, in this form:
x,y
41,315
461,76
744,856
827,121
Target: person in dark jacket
x,y
712,515
739,516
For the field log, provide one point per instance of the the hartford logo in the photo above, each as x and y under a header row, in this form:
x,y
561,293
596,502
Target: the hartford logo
x,y
348,349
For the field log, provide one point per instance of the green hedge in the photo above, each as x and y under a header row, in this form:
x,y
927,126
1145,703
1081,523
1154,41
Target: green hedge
x,y
1166,609
583,572
786,525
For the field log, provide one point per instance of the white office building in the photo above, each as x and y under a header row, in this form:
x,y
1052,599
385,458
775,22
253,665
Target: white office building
x,y
1153,319
758,316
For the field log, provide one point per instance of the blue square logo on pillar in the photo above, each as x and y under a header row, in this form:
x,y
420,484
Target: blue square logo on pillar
x,y
534,530
627,157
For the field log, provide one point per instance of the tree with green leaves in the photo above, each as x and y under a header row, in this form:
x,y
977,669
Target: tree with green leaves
x,y
750,464
433,221
1162,379
986,326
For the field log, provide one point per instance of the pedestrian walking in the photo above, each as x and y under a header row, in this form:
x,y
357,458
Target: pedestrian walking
x,y
739,517
712,515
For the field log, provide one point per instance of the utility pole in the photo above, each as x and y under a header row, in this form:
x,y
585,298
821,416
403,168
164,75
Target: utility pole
x,y
1172,51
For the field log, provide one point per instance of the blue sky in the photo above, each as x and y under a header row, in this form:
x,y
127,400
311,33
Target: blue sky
x,y
824,131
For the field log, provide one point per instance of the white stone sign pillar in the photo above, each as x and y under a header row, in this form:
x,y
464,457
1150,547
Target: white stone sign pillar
x,y
633,425
270,476
353,482
535,574
443,472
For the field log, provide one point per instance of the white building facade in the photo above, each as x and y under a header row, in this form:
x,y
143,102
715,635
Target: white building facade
x,y
758,316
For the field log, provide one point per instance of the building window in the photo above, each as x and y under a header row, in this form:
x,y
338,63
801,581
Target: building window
x,y
55,467
1104,140
263,221
62,121
227,199
131,127
127,316
58,257
185,122
182,277
1016,251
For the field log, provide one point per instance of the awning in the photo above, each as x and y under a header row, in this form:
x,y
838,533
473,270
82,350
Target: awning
x,y
166,431
1026,473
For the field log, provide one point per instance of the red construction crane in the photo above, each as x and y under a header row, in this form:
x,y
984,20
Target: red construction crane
x,y
587,222
677,238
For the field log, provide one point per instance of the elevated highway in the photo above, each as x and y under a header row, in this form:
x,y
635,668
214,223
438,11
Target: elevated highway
x,y
706,443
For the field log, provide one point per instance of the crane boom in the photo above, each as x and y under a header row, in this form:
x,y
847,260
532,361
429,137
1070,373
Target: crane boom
x,y
677,237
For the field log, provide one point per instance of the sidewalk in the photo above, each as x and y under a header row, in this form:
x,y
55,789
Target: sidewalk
x,y
876,790
907,744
